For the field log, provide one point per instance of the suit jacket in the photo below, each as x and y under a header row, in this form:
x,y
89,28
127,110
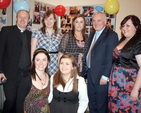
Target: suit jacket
x,y
10,49
101,55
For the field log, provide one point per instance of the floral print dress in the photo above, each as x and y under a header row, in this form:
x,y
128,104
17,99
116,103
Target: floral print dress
x,y
121,84
37,100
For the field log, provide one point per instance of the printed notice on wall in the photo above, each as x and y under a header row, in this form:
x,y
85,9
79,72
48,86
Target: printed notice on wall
x,y
3,21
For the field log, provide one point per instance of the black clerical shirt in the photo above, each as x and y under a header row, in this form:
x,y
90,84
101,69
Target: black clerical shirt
x,y
24,59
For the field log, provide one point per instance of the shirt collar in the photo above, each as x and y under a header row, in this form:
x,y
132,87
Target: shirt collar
x,y
99,32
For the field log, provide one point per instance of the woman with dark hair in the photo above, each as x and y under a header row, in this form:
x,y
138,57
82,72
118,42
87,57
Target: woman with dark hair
x,y
48,38
68,92
75,42
34,89
125,80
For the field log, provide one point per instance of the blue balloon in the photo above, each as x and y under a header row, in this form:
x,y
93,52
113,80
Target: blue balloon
x,y
21,5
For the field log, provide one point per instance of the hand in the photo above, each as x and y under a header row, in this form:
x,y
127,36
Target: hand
x,y
2,76
103,82
134,95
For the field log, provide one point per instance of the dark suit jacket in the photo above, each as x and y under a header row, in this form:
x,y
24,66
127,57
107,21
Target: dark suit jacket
x,y
101,55
10,49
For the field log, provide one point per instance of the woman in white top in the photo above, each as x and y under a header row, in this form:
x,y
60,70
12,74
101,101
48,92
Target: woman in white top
x,y
68,90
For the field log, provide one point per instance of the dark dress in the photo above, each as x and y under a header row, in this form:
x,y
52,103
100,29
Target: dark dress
x,y
122,79
64,102
31,99
70,44
37,100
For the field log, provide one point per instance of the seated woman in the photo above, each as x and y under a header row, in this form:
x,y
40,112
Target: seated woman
x,y
68,92
34,89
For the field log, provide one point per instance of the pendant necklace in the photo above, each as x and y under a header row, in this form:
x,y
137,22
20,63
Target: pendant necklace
x,y
40,79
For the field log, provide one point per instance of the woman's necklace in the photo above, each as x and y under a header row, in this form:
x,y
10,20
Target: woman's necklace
x,y
41,80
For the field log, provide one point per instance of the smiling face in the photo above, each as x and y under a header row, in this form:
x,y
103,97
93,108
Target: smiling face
x,y
98,21
22,19
41,62
79,24
128,29
49,21
66,66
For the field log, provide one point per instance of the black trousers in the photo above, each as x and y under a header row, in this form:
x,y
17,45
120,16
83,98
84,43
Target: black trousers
x,y
98,97
10,90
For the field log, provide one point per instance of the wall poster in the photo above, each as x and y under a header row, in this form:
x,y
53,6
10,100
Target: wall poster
x,y
3,21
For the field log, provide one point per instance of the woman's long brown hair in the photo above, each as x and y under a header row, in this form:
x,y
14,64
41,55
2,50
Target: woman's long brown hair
x,y
74,73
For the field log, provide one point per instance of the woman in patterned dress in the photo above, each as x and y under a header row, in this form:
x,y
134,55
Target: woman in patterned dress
x,y
75,42
125,81
48,38
34,89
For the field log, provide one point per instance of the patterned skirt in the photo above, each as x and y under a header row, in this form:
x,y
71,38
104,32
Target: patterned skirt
x,y
121,84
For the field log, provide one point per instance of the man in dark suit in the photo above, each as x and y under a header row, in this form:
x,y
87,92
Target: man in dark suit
x,y
99,62
14,58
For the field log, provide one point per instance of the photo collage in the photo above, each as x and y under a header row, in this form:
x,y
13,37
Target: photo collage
x,y
39,9
87,12
65,21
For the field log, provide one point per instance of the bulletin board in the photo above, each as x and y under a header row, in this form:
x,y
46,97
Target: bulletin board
x,y
87,12
65,22
39,8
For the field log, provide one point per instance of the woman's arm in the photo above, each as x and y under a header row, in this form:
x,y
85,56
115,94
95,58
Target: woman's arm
x,y
33,46
83,97
135,91
50,97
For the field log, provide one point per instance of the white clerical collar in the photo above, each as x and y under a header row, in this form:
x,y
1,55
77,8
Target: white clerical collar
x,y
21,30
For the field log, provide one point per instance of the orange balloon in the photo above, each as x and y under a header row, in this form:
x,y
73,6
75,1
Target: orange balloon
x,y
111,6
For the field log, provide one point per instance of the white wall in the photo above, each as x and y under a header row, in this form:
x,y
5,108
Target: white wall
x,y
126,7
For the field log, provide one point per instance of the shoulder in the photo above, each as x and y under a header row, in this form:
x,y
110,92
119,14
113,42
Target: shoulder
x,y
8,27
37,30
28,32
81,79
111,34
109,31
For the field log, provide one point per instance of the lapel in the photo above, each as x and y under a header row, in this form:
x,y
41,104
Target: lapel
x,y
91,38
102,35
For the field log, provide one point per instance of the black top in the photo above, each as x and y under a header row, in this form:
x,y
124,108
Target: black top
x,y
24,59
128,52
64,102
10,50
